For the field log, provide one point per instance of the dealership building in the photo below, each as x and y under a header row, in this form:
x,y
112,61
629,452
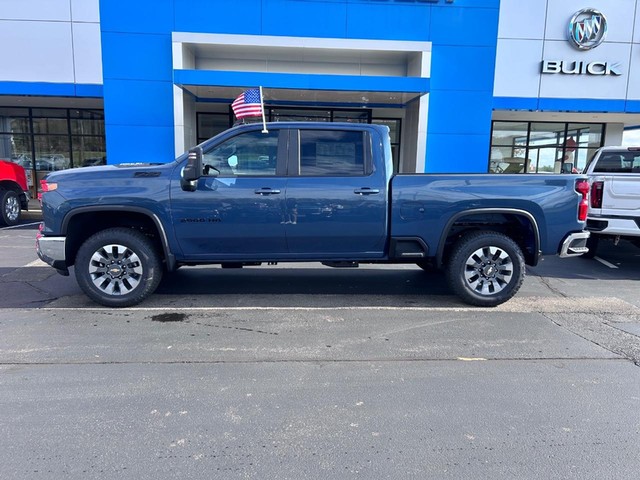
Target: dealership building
x,y
464,85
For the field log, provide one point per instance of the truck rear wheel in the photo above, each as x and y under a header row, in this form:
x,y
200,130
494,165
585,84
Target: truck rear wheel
x,y
486,268
10,207
118,267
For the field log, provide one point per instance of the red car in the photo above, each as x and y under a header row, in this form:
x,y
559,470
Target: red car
x,y
13,192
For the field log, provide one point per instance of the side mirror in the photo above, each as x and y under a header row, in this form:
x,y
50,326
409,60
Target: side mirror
x,y
192,171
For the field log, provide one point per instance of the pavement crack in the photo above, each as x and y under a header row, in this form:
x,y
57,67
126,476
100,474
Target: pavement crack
x,y
601,334
546,282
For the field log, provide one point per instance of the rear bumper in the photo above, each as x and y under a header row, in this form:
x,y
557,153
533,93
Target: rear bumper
x,y
574,244
622,226
51,250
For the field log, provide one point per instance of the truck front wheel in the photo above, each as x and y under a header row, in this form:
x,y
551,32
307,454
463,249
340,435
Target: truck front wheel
x,y
10,207
118,267
486,268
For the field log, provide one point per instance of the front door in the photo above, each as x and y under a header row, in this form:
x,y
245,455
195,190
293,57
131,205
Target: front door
x,y
237,210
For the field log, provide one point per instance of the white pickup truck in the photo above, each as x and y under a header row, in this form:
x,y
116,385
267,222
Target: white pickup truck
x,y
614,208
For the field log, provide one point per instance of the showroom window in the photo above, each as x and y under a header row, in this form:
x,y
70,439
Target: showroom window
x,y
48,139
543,147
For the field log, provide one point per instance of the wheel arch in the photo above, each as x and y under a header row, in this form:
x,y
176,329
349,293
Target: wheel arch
x,y
520,225
10,185
80,223
22,195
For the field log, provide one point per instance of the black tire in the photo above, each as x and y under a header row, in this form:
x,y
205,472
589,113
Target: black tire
x,y
118,267
485,268
592,244
11,207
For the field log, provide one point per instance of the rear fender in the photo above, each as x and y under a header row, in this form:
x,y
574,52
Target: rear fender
x,y
528,221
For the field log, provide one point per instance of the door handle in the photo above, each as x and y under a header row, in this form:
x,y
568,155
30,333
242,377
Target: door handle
x,y
366,191
266,191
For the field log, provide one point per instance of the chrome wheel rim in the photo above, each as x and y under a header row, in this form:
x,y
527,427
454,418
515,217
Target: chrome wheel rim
x,y
12,208
488,270
115,269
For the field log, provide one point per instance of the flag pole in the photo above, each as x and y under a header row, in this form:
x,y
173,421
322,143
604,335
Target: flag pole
x,y
264,121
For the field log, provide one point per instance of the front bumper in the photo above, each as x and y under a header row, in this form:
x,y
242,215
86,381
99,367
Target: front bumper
x,y
51,250
575,244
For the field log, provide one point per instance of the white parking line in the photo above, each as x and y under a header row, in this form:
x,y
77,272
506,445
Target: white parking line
x,y
22,225
518,304
605,263
36,263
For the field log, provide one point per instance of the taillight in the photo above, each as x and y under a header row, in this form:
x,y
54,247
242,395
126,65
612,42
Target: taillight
x,y
596,194
582,187
47,186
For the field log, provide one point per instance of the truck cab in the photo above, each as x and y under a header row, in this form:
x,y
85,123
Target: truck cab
x,y
298,191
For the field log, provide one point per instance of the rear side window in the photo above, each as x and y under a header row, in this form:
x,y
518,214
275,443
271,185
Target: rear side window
x,y
622,162
332,153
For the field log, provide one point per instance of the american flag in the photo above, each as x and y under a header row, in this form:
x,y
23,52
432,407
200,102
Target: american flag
x,y
247,104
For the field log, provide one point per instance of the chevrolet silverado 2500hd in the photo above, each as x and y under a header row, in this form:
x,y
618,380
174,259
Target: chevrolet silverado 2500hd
x,y
614,210
312,192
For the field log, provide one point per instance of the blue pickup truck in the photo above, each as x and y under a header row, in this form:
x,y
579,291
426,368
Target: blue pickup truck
x,y
316,192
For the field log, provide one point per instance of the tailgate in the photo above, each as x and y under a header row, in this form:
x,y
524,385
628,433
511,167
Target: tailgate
x,y
621,194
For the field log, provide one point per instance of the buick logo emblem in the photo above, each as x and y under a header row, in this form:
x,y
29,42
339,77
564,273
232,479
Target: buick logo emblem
x,y
587,29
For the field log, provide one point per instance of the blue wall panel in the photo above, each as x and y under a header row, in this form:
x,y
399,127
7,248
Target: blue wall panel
x,y
308,18
137,16
632,106
462,68
51,89
139,78
243,17
473,27
464,40
127,143
149,56
515,103
581,105
135,102
459,112
388,22
302,81
472,3
567,104
457,153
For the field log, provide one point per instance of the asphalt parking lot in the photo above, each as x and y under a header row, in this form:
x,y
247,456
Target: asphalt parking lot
x,y
312,372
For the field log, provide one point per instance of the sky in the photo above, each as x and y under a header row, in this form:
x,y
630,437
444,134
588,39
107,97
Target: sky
x,y
631,138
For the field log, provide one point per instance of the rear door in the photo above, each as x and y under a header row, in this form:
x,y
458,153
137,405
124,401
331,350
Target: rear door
x,y
336,202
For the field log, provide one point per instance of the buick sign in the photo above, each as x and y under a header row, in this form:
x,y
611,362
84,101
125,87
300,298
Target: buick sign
x,y
587,29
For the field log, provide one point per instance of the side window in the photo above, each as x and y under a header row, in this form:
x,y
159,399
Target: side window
x,y
331,153
248,154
